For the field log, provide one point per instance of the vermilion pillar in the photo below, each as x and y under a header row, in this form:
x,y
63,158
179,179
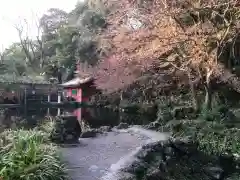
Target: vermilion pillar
x,y
78,98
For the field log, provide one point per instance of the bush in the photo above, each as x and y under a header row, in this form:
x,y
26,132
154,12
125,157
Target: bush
x,y
212,137
26,155
220,142
66,129
217,113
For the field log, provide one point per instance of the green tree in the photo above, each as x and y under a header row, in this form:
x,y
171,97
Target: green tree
x,y
62,40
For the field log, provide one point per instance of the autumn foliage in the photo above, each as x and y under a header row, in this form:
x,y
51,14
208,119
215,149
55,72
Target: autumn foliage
x,y
187,36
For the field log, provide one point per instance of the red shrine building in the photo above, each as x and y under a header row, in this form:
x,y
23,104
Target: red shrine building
x,y
80,88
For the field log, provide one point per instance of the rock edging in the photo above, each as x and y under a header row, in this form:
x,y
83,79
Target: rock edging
x,y
91,133
170,159
122,169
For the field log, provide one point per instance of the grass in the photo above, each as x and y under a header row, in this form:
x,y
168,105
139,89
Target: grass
x,y
28,155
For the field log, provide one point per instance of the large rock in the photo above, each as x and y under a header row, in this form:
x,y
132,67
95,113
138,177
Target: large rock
x,y
154,175
186,145
137,167
103,129
215,172
122,126
124,176
183,112
90,133
174,159
153,125
66,130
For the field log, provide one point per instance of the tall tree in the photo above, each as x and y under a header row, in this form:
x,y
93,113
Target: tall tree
x,y
187,36
61,40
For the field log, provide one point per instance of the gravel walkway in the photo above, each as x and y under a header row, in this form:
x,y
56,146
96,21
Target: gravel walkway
x,y
98,157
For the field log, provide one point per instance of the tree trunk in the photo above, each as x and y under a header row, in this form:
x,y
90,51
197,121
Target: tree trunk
x,y
208,91
26,50
41,44
121,95
194,98
194,95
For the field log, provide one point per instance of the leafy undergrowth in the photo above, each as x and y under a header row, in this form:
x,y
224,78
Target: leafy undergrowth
x,y
212,137
216,131
28,155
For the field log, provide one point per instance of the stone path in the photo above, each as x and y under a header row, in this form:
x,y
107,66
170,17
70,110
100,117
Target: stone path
x,y
100,157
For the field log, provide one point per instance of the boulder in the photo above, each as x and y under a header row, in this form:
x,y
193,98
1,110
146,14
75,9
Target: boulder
x,y
184,145
103,129
153,125
154,146
66,130
122,126
69,137
90,133
173,159
215,172
125,176
154,175
137,167
162,166
183,112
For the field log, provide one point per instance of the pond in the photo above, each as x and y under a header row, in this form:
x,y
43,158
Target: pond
x,y
93,117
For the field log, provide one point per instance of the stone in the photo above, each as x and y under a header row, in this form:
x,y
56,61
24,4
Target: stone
x,y
185,145
103,129
229,116
153,125
69,137
154,146
90,133
136,167
183,112
142,154
169,151
154,175
122,126
66,130
215,172
162,166
125,176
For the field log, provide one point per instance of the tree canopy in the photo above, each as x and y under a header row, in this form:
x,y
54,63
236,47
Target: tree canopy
x,y
62,40
194,43
188,40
